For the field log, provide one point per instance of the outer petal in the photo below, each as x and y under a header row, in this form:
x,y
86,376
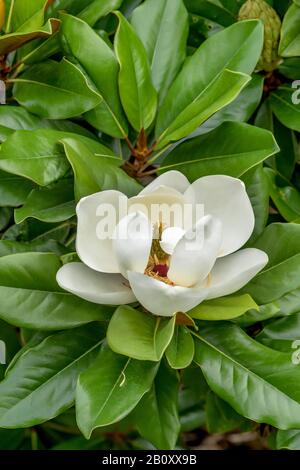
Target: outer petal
x,y
225,198
93,245
234,271
90,285
132,243
164,205
193,258
162,299
172,179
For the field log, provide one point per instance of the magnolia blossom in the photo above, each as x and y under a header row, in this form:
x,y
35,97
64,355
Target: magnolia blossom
x,y
167,264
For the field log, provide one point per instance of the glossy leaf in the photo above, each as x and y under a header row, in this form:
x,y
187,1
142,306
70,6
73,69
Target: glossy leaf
x,y
286,111
98,172
290,33
222,54
212,10
220,416
139,335
100,64
162,25
12,41
97,9
31,298
236,366
231,149
240,110
55,90
282,334
223,308
289,440
40,156
285,197
180,351
110,389
137,92
281,242
156,415
52,368
17,118
54,204
11,247
257,189
13,189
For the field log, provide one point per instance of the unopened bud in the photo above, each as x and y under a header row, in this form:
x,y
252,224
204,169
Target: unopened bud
x,y
261,10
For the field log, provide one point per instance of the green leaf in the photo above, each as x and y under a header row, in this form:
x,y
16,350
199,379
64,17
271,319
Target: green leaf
x,y
110,389
16,118
97,9
223,308
156,415
258,192
5,216
288,439
212,10
11,247
282,333
31,297
231,149
139,335
12,41
236,366
13,189
221,92
55,90
221,417
281,242
48,387
290,33
100,64
180,351
198,87
290,68
98,172
240,110
39,156
138,95
23,15
284,108
162,25
285,197
54,204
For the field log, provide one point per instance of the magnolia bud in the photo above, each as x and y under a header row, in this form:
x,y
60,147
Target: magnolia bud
x,y
259,9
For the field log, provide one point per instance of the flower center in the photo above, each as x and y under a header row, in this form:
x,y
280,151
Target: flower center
x,y
158,264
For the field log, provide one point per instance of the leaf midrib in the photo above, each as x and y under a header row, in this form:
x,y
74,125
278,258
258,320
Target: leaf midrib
x,y
77,359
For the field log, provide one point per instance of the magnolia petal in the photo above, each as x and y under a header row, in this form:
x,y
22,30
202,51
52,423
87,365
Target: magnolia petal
x,y
163,299
132,242
226,199
100,288
96,226
233,272
165,205
196,253
173,179
170,237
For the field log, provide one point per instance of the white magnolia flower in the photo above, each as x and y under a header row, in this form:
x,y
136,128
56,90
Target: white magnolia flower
x,y
175,272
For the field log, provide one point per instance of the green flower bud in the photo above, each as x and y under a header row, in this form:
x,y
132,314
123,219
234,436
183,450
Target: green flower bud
x,y
259,9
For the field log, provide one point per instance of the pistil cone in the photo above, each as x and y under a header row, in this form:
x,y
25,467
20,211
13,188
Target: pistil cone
x,y
261,10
